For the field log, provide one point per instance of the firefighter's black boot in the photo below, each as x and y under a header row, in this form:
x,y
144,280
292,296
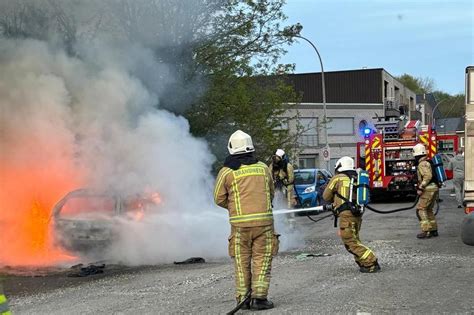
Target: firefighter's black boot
x,y
434,233
374,268
377,266
246,305
424,235
261,304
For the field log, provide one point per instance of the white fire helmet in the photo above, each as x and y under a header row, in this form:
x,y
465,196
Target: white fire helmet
x,y
240,143
344,164
280,153
419,149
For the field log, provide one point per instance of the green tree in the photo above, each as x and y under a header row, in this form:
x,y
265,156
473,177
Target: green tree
x,y
257,106
247,88
418,85
449,105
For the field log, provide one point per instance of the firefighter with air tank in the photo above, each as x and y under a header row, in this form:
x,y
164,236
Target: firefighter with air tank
x,y
341,192
284,180
244,186
428,190
283,176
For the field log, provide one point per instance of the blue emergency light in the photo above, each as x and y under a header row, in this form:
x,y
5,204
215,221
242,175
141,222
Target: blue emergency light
x,y
367,131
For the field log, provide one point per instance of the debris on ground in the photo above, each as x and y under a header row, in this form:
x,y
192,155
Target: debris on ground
x,y
303,256
192,260
86,271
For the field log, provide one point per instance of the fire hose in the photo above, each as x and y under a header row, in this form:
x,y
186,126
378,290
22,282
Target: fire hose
x,y
404,208
318,209
325,208
298,199
394,210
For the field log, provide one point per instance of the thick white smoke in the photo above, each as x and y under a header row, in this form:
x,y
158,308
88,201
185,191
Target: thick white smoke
x,y
82,92
292,233
92,121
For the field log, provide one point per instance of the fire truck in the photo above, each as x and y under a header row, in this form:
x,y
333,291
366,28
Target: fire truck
x,y
387,156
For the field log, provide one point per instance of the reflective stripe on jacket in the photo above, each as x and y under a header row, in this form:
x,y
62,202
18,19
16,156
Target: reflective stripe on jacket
x,y
247,193
340,183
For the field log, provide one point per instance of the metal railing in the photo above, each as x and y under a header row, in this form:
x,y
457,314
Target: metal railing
x,y
391,103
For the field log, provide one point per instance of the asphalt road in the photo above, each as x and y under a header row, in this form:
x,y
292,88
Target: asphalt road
x,y
418,276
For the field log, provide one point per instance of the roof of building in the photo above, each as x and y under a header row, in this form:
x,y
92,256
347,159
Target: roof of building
x,y
362,86
450,125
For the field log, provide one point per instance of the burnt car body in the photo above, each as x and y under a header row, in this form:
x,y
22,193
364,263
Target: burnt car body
x,y
87,221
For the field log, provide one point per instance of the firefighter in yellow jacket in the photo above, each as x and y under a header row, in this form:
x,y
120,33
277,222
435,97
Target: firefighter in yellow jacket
x,y
283,176
349,215
244,186
428,191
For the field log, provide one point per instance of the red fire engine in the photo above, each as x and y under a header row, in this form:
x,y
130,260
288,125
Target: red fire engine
x,y
386,154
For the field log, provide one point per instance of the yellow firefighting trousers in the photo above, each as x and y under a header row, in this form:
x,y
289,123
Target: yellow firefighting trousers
x,y
4,310
253,249
349,227
425,210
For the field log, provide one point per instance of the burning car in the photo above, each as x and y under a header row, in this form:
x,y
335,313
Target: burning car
x,y
87,221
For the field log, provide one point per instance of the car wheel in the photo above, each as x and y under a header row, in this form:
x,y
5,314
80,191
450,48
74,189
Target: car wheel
x,y
467,229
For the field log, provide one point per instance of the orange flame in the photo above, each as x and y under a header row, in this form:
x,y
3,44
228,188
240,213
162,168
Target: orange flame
x,y
138,205
27,197
138,215
155,197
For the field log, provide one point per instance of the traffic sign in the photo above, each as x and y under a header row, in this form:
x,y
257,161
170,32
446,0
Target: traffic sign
x,y
326,154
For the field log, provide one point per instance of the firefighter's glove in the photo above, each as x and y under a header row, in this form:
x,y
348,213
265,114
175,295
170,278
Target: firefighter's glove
x,y
329,207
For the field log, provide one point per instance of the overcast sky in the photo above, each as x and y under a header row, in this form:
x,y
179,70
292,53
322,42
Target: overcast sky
x,y
427,38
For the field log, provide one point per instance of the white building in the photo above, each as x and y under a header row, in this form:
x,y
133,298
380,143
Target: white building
x,y
353,99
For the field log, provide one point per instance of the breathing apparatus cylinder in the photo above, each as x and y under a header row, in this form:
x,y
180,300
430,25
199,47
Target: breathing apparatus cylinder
x,y
439,168
363,196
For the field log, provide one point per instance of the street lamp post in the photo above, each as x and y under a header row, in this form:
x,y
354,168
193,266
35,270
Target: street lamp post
x,y
433,123
323,86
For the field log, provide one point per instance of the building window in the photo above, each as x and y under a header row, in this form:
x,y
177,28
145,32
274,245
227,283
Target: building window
x,y
309,133
307,161
340,126
445,146
282,129
284,126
